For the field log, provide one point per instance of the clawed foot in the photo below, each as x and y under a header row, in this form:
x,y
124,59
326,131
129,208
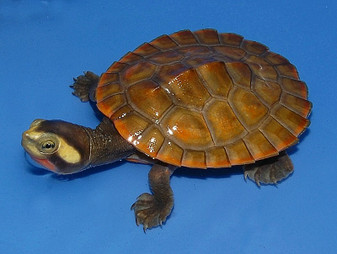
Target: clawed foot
x,y
270,171
84,86
150,212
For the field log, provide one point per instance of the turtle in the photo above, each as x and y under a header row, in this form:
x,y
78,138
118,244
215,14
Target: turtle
x,y
197,100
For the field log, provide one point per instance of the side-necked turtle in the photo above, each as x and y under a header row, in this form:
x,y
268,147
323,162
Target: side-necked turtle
x,y
198,99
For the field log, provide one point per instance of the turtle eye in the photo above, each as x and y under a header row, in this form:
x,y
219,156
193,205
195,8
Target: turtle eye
x,y
48,146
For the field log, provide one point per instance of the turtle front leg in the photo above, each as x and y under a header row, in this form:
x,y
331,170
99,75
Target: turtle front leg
x,y
152,210
271,170
85,85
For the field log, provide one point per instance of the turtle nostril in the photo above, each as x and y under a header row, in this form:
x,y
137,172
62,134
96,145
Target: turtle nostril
x,y
25,135
26,139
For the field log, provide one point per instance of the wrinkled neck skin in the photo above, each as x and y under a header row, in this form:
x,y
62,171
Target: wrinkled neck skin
x,y
106,145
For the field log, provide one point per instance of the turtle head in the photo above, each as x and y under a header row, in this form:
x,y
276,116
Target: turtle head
x,y
58,146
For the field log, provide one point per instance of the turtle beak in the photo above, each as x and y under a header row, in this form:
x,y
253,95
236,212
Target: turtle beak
x,y
38,163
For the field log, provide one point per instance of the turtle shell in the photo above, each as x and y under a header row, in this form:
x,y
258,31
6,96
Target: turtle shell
x,y
205,99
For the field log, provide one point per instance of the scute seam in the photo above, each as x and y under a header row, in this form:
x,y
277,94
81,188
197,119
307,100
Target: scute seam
x,y
251,155
291,109
295,141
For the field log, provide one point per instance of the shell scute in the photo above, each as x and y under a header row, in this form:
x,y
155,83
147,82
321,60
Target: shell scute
x,y
254,47
187,128
278,136
287,70
299,105
223,123
170,153
238,153
230,52
138,72
145,50
192,158
150,141
116,67
295,87
108,90
109,105
274,58
249,109
164,42
268,91
293,122
185,37
131,126
149,98
197,61
130,58
240,73
258,145
168,72
208,36
216,78
196,50
261,68
166,57
231,39
216,157
108,78
188,90
120,112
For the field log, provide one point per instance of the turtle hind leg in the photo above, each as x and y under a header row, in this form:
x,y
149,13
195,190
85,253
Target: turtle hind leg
x,y
271,170
151,210
85,85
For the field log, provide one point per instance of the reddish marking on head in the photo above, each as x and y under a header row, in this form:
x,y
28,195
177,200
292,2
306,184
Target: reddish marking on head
x,y
45,163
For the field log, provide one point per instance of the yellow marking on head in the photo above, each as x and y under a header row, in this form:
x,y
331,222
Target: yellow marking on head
x,y
68,153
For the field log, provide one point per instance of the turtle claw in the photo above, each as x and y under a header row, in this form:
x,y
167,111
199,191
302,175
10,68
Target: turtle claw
x,y
85,85
150,212
269,171
251,175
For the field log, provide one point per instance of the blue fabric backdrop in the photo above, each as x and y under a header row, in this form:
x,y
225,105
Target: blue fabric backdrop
x,y
43,44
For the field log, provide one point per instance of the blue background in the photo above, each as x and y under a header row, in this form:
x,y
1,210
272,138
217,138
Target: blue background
x,y
43,44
